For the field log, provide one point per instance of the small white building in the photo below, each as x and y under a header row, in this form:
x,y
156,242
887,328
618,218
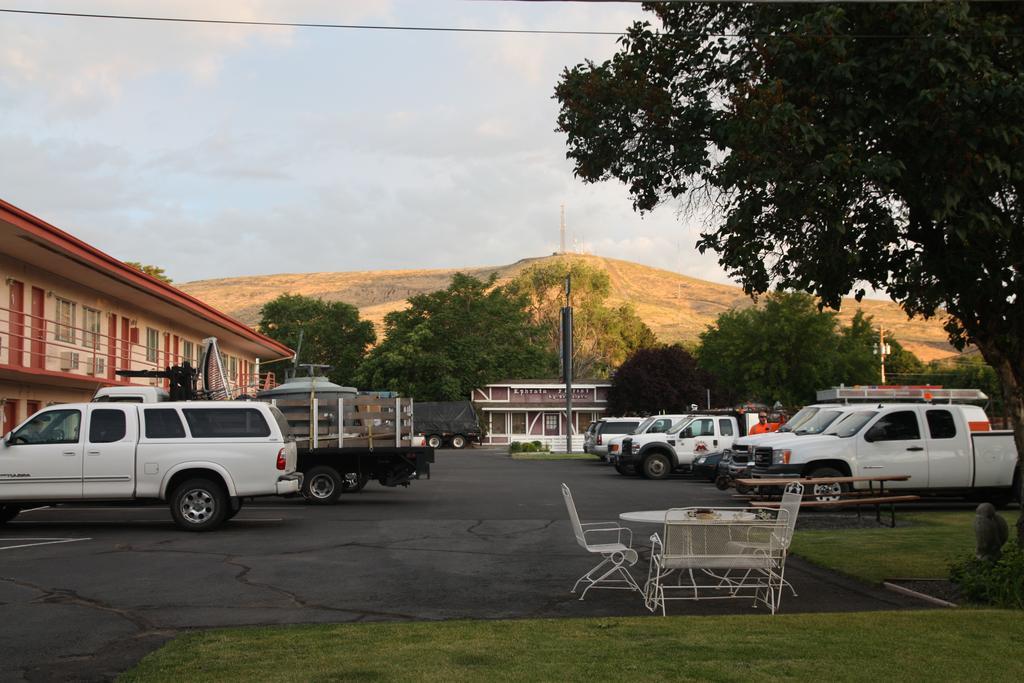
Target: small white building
x,y
534,410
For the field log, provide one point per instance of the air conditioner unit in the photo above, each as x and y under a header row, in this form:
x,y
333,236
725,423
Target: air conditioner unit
x,y
97,366
68,360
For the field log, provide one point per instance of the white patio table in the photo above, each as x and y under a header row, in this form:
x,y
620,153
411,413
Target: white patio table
x,y
717,515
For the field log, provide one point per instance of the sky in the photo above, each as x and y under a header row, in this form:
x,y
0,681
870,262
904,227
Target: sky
x,y
218,151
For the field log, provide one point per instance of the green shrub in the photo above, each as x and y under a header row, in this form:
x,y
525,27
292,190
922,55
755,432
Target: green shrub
x,y
515,447
1000,584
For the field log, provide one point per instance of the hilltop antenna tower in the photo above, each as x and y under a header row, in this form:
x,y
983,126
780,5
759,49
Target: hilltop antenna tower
x,y
562,229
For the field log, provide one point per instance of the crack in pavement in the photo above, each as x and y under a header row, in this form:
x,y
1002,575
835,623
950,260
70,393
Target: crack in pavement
x,y
361,614
69,597
507,534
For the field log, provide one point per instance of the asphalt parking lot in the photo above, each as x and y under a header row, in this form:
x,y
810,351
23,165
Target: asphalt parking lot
x,y
87,591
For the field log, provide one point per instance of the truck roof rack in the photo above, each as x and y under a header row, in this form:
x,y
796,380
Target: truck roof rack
x,y
910,394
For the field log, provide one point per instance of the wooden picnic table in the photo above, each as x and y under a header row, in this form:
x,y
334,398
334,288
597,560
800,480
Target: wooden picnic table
x,y
856,498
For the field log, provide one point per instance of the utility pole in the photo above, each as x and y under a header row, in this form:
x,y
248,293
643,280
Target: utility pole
x,y
567,361
882,350
562,229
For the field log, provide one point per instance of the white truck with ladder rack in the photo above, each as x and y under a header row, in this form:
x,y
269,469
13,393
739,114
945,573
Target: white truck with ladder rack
x,y
946,446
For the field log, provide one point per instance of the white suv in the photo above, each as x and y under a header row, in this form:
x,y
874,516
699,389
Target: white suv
x,y
608,427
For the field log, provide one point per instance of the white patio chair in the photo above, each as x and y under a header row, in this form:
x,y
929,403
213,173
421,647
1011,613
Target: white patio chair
x,y
787,512
742,559
611,571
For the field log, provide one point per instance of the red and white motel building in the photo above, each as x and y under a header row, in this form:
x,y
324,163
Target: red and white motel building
x,y
70,315
534,410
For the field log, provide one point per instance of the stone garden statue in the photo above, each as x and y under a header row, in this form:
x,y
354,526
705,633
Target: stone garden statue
x,y
990,533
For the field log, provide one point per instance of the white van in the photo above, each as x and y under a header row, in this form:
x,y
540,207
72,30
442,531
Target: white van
x,y
202,458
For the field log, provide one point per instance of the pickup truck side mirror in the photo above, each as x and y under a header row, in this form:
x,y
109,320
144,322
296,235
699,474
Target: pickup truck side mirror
x,y
876,433
687,433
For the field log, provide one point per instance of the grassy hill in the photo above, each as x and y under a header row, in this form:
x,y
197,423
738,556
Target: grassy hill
x,y
676,307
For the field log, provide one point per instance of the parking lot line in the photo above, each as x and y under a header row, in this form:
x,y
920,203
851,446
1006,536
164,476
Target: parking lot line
x,y
41,541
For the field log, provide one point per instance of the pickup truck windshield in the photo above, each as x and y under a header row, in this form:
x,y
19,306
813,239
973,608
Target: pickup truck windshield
x,y
676,428
802,416
818,423
644,425
849,425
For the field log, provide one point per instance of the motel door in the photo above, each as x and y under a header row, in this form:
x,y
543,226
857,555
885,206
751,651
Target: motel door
x,y
10,416
551,424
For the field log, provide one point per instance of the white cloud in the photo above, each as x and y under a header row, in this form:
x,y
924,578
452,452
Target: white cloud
x,y
216,151
83,64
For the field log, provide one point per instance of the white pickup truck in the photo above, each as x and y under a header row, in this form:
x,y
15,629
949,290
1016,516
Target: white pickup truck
x,y
655,456
200,457
946,449
655,424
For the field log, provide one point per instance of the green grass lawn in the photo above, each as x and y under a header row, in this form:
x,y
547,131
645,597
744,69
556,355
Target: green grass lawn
x,y
553,456
923,550
982,645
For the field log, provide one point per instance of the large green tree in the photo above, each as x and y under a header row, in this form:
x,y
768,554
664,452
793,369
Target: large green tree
x,y
784,351
842,144
603,336
332,332
449,342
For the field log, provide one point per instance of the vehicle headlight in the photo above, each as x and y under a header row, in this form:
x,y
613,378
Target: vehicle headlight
x,y
781,456
701,460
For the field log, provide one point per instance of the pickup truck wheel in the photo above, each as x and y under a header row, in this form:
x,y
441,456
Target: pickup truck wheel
x,y
827,492
8,512
322,485
199,505
458,441
354,483
434,441
656,466
625,470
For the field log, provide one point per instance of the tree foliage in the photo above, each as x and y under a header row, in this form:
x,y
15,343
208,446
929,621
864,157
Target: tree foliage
x,y
154,271
842,144
660,379
603,336
332,332
788,349
449,342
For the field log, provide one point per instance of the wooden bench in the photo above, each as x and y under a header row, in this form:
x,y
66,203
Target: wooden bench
x,y
855,498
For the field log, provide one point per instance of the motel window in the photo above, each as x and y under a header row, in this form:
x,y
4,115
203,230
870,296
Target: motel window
x,y
498,423
91,328
584,420
188,350
551,423
65,331
233,368
518,423
152,345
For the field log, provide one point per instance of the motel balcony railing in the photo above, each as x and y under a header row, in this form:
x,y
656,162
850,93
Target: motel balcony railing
x,y
32,343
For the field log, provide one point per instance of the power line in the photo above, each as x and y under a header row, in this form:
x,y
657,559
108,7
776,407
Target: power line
x,y
295,24
454,29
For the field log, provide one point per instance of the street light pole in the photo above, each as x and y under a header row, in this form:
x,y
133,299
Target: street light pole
x,y
567,361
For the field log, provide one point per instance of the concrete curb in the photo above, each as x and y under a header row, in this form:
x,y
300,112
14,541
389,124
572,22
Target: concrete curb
x,y
914,594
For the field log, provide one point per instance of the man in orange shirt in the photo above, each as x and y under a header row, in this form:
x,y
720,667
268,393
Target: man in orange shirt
x,y
762,426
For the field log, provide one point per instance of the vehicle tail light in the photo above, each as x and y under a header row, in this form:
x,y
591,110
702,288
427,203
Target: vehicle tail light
x,y
282,460
599,440
614,448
